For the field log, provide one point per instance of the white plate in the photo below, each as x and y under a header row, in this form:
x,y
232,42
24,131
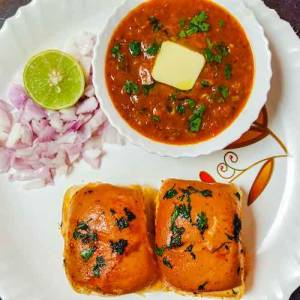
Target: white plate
x,y
30,244
257,98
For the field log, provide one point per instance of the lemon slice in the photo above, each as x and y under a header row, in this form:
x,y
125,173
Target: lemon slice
x,y
54,79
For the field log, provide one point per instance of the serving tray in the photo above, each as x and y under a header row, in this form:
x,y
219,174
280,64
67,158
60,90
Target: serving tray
x,y
264,163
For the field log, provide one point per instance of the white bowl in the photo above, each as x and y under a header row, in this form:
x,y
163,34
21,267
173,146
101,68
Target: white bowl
x,y
258,96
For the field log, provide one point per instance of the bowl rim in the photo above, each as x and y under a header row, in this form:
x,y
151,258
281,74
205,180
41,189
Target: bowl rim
x,y
258,97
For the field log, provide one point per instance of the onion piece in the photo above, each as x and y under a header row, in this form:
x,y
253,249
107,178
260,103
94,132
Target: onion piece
x,y
87,106
42,173
5,106
89,91
55,121
32,112
6,120
68,114
17,96
15,135
47,134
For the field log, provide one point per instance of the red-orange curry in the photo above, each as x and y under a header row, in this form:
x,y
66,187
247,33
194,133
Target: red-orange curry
x,y
161,112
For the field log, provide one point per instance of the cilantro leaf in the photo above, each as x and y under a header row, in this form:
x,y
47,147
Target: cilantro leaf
x,y
147,88
224,91
86,254
180,109
195,121
201,222
205,83
228,71
155,23
191,103
167,263
130,87
119,246
100,264
135,48
153,49
171,193
159,251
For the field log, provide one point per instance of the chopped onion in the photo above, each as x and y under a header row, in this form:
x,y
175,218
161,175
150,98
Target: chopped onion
x,y
6,106
17,96
89,91
68,114
37,144
87,106
6,120
32,112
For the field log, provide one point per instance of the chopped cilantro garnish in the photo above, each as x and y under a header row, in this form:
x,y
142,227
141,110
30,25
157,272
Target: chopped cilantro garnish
x,y
100,264
224,91
208,54
174,217
153,49
135,48
159,251
116,52
122,223
215,53
175,240
183,211
218,58
181,23
156,25
182,34
86,254
83,232
221,23
189,249
156,118
198,22
202,286
222,49
205,83
191,103
196,25
167,263
82,226
180,109
172,97
130,87
228,71
119,246
206,193
201,222
147,88
129,214
237,226
195,121
170,193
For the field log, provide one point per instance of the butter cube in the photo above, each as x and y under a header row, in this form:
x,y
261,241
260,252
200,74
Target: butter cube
x,y
177,66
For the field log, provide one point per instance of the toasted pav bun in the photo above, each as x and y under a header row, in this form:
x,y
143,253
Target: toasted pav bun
x,y
198,238
107,247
